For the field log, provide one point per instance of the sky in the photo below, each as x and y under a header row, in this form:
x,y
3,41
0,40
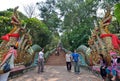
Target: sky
x,y
6,4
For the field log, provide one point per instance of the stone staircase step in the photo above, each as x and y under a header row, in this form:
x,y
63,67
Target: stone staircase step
x,y
56,60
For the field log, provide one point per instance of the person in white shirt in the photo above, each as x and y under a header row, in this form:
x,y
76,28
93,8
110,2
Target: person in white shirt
x,y
68,61
41,61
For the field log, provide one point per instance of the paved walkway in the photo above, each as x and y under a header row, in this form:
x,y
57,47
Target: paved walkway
x,y
56,73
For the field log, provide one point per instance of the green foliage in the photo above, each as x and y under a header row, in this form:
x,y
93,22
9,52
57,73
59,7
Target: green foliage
x,y
5,25
40,33
78,19
73,18
73,39
54,41
6,13
9,12
49,14
117,11
5,22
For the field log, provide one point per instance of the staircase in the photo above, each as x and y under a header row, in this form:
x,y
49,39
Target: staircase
x,y
57,60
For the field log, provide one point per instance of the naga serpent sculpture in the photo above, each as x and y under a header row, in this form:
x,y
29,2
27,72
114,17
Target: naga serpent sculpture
x,y
20,37
100,42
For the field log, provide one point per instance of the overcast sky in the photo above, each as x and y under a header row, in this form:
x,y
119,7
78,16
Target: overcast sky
x,y
6,4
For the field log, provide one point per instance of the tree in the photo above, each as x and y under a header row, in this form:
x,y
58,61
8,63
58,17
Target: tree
x,y
39,31
78,19
116,23
69,16
74,18
49,14
5,25
30,10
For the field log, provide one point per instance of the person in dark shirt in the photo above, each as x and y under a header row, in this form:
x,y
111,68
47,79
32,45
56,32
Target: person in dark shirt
x,y
103,67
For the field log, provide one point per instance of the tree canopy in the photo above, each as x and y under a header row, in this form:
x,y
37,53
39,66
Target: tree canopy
x,y
68,21
74,18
